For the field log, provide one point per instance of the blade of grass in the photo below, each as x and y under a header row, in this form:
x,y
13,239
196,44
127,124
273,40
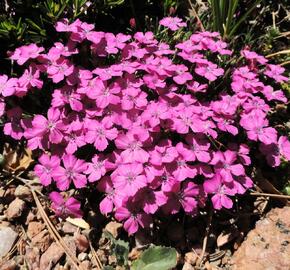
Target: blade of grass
x,y
243,18
231,11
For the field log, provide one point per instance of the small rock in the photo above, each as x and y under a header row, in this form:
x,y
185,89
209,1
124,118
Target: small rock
x,y
187,266
51,256
83,256
1,208
112,259
34,228
7,239
113,228
191,257
24,193
30,217
8,265
86,265
32,257
42,240
70,242
81,242
69,228
15,209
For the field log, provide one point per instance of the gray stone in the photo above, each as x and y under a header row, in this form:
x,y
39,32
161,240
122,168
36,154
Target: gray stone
x,y
7,239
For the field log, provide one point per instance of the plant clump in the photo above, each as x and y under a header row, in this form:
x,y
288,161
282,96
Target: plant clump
x,y
170,122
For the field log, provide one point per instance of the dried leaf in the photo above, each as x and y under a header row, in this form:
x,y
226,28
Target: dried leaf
x,y
79,222
226,237
15,159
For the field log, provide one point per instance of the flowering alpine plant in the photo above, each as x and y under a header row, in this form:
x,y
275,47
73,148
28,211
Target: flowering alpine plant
x,y
169,124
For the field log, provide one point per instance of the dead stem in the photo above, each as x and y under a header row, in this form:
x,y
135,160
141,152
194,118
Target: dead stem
x,y
208,227
52,230
280,196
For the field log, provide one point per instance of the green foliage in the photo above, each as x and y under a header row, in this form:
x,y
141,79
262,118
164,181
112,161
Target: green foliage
x,y
161,258
119,248
224,15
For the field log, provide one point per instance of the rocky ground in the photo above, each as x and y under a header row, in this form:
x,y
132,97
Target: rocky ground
x,y
31,237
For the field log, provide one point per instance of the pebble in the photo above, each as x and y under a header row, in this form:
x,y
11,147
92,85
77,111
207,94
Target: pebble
x,y
15,209
34,228
113,228
24,193
51,256
7,239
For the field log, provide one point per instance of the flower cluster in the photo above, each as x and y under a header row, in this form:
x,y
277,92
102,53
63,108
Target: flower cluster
x,y
167,129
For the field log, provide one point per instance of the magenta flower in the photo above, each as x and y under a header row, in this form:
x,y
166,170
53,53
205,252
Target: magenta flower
x,y
43,129
129,178
224,164
163,153
275,72
209,70
14,128
30,78
274,152
96,169
46,168
98,133
178,197
7,86
65,207
132,145
198,148
103,94
257,128
111,199
133,216
60,69
220,198
71,172
26,52
173,23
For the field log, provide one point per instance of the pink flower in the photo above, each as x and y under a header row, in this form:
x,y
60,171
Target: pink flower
x,y
103,94
209,70
100,132
257,128
96,169
7,86
173,23
270,94
60,69
129,178
30,78
65,207
220,191
274,152
26,52
132,145
198,148
133,216
43,129
45,169
14,128
224,164
163,153
71,172
172,201
275,71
